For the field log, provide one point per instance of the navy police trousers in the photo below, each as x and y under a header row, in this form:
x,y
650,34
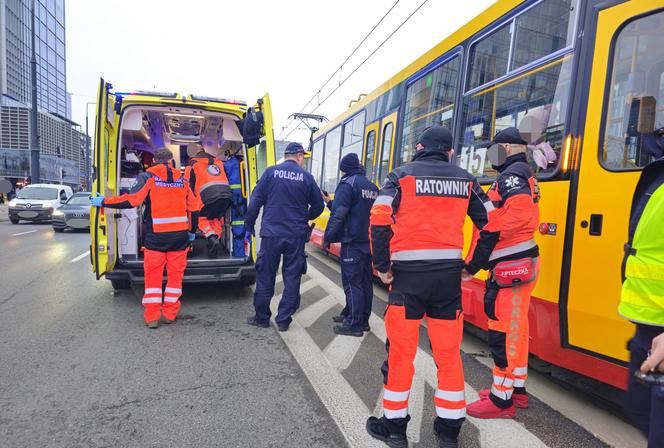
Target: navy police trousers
x,y
645,404
356,277
272,249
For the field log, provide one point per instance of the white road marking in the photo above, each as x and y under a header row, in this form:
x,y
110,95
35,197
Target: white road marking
x,y
80,257
24,233
342,350
337,395
307,316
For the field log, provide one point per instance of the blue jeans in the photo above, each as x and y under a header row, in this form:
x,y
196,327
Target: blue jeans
x,y
267,263
645,404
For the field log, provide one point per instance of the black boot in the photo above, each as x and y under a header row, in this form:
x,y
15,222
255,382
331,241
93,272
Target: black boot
x,y
392,431
447,432
213,246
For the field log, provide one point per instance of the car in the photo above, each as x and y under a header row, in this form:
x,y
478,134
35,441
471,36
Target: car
x,y
36,202
73,214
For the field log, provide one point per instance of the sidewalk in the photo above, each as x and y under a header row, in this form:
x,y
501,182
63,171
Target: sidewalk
x,y
3,212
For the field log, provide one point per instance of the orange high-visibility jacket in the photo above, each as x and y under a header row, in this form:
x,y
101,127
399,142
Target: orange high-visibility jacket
x,y
169,198
514,219
420,211
207,178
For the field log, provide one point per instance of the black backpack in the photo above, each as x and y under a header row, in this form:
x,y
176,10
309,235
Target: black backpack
x,y
252,125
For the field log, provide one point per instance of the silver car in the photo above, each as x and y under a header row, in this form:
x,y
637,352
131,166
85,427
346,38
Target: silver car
x,y
73,214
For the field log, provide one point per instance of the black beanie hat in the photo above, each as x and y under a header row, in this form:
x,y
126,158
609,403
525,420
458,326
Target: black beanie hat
x,y
349,162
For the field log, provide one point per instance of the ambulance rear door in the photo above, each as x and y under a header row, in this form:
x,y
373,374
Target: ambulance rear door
x,y
261,156
104,176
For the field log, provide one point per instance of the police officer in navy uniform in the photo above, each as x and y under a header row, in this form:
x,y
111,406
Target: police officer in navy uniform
x,y
290,198
349,225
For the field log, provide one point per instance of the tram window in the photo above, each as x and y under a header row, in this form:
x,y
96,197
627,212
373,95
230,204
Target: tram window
x,y
354,129
386,149
331,160
429,101
368,161
488,57
535,102
317,159
635,107
353,133
542,30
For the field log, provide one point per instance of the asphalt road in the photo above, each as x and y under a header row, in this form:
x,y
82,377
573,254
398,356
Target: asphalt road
x,y
79,369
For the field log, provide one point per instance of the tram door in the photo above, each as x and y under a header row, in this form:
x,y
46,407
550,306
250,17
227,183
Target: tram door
x,y
384,131
625,107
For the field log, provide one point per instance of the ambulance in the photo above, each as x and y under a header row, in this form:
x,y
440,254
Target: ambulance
x,y
129,127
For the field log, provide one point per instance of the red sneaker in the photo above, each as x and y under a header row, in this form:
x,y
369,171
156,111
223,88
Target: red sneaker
x,y
520,400
485,408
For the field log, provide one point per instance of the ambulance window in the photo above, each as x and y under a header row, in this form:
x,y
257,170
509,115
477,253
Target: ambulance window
x,y
429,101
386,148
634,111
370,149
331,160
317,159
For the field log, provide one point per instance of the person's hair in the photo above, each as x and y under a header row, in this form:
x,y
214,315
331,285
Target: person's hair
x,y
163,155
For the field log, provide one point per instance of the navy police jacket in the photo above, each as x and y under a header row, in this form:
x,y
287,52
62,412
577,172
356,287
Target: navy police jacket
x,y
353,198
289,197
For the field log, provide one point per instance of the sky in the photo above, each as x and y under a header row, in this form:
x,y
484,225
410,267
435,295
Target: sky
x,y
244,49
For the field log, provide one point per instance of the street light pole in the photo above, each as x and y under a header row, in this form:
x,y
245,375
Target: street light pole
x,y
88,159
34,128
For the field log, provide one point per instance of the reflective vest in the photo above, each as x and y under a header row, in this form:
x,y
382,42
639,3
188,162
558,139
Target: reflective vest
x,y
642,298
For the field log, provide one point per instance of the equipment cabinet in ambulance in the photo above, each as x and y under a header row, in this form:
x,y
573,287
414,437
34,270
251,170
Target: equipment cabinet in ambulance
x,y
130,126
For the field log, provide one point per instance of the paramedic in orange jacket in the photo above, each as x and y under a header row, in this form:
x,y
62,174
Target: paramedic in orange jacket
x,y
168,202
207,179
417,237
506,247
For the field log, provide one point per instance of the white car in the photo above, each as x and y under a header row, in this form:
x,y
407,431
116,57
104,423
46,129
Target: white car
x,y
36,202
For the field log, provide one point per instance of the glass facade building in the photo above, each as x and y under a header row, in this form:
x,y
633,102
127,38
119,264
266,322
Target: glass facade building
x,y
15,52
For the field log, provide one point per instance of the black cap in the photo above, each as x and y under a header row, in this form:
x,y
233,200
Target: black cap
x,y
293,148
511,136
436,138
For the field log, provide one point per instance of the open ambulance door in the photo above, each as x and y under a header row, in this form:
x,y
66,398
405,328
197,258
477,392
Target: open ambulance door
x,y
104,174
261,156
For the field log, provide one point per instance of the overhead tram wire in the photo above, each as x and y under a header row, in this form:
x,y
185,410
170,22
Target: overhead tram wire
x,y
357,47
365,60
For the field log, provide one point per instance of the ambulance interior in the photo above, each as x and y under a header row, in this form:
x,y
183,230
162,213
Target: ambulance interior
x,y
146,129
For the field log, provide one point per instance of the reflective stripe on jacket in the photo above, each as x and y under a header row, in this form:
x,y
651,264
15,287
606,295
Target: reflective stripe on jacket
x,y
512,221
168,201
420,211
207,178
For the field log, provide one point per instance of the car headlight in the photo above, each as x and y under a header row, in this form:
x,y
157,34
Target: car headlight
x,y
13,203
58,213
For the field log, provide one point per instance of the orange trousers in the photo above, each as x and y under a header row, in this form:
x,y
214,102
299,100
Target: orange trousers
x,y
508,338
210,227
153,267
445,337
